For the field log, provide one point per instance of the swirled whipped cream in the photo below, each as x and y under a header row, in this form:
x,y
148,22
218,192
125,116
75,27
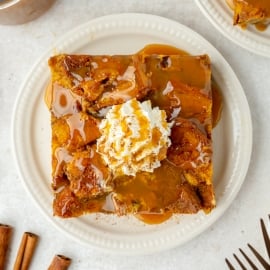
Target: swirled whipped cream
x,y
134,137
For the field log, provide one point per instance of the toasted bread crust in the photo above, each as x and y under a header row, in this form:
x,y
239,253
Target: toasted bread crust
x,y
84,87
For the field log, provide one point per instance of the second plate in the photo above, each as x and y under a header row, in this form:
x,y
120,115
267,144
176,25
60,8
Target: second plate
x,y
221,16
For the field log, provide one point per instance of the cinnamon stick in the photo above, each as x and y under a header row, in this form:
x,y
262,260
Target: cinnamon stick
x,y
5,236
60,262
26,251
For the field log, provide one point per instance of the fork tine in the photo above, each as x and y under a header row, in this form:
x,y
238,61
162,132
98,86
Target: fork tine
x,y
266,237
239,262
229,264
259,257
254,267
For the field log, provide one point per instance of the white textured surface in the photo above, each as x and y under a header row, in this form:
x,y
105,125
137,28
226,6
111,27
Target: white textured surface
x,y
22,45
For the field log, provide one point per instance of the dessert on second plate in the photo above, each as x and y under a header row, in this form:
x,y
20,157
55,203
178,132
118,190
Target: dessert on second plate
x,y
251,12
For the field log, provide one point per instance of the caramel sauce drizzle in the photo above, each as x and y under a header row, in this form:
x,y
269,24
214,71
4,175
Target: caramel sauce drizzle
x,y
264,4
63,102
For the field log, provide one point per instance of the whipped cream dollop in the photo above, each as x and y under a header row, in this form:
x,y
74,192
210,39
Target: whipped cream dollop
x,y
134,137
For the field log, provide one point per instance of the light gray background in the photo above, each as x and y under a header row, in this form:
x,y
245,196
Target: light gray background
x,y
22,45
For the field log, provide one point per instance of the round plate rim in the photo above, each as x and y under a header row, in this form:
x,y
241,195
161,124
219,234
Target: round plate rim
x,y
130,249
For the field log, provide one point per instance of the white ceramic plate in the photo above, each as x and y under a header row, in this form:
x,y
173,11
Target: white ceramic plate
x,y
221,16
124,34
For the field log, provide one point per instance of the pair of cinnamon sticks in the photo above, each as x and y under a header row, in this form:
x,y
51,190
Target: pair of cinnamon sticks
x,y
26,251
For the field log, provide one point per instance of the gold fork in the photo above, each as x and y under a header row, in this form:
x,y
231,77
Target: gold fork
x,y
265,264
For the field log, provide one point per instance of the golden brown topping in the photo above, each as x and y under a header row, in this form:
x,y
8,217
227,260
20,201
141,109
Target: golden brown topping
x,y
252,12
